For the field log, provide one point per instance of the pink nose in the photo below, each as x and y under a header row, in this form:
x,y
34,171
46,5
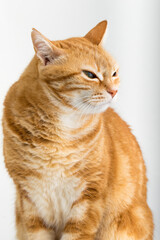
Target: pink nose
x,y
112,92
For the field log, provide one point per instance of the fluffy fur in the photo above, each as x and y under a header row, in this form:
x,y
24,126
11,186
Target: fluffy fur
x,y
78,170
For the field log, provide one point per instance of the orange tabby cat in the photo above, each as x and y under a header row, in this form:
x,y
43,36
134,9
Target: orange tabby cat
x,y
78,170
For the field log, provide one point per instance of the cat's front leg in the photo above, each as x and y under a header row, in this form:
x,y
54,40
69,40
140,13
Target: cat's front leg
x,y
134,223
28,223
84,220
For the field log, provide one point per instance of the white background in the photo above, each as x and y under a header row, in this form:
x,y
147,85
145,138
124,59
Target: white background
x,y
133,38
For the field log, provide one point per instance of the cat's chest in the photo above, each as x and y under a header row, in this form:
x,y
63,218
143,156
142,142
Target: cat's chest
x,y
54,195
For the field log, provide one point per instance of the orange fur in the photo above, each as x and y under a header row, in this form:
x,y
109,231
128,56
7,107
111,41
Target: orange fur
x,y
78,170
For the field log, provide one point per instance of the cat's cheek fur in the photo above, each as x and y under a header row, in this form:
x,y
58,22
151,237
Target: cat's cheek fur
x,y
91,108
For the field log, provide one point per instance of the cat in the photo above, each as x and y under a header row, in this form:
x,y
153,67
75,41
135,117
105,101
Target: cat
x,y
78,170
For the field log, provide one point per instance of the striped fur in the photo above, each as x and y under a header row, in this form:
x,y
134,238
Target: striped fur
x,y
78,170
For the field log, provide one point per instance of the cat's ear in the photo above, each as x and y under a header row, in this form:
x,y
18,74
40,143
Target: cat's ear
x,y
45,50
95,35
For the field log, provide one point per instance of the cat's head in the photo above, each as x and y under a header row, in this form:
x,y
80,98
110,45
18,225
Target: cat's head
x,y
77,72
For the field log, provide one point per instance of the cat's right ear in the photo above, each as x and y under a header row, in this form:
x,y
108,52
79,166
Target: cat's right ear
x,y
45,50
95,35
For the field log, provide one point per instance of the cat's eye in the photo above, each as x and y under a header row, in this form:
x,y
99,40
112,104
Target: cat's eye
x,y
114,74
89,74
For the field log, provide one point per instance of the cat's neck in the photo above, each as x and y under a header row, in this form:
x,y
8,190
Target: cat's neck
x,y
75,126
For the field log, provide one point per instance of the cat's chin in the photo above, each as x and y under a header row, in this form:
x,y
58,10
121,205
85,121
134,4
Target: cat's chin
x,y
100,108
97,109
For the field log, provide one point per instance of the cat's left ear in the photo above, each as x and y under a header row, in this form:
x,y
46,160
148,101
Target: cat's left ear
x,y
95,35
45,50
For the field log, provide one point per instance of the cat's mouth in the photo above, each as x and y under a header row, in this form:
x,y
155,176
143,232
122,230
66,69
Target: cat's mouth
x,y
100,99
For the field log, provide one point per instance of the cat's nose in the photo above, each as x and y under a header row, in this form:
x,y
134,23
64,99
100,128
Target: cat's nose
x,y
112,92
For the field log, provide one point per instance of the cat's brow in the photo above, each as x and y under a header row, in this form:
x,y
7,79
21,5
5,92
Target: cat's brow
x,y
63,77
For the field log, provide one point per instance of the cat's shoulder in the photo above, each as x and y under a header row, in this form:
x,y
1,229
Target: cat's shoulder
x,y
116,125
120,131
113,118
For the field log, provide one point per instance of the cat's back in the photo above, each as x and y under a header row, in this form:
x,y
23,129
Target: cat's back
x,y
15,99
128,169
119,131
121,138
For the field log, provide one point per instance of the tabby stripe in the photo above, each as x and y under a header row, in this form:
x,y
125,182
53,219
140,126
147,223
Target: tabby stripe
x,y
61,98
62,77
90,136
85,227
34,223
74,88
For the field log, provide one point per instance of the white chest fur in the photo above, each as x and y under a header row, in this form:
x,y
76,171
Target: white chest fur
x,y
54,195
